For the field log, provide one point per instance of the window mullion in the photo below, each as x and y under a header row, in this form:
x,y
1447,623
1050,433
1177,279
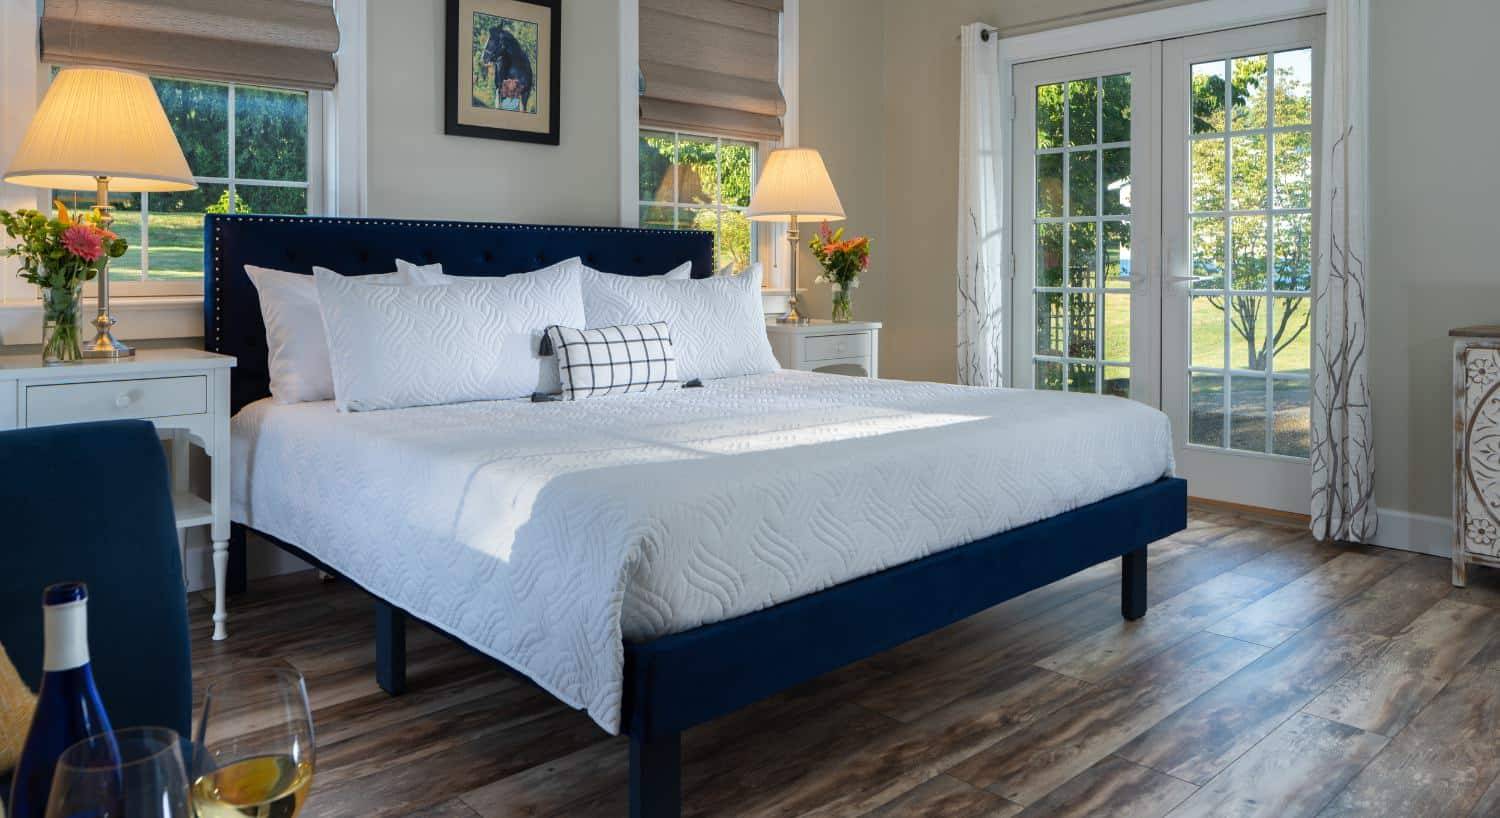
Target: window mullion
x,y
676,180
718,200
230,163
145,237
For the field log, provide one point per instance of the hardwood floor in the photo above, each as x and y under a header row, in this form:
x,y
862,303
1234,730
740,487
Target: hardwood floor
x,y
1272,676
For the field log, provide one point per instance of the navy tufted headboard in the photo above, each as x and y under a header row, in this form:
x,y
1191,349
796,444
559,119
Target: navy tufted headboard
x,y
231,310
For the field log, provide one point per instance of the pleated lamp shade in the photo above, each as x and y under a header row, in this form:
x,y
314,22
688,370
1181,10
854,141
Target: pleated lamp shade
x,y
794,183
100,122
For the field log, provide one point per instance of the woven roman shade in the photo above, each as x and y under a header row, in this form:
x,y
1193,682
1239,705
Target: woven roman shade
x,y
711,66
281,43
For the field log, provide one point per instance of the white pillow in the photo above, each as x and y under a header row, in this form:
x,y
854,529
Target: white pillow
x,y
681,271
421,273
296,346
474,339
718,328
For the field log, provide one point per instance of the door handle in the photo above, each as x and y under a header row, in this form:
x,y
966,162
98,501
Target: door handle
x,y
1187,279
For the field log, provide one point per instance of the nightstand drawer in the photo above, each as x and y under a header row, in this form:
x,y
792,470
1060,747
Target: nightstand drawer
x,y
828,347
48,404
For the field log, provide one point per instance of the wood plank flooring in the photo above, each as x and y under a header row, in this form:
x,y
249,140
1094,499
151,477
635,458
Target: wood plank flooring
x,y
1273,676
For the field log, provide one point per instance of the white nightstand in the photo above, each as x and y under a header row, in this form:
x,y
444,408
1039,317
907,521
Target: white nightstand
x,y
184,392
852,348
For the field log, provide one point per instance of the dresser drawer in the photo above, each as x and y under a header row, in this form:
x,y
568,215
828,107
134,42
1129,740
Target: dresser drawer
x,y
828,347
48,404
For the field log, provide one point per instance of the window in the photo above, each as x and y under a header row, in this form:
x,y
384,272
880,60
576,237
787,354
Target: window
x,y
250,151
1082,228
691,182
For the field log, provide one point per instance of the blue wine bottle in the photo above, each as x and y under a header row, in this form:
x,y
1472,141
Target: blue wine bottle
x,y
68,709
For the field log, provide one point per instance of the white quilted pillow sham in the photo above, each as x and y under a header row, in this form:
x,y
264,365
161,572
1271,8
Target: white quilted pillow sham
x,y
681,271
473,339
296,346
718,328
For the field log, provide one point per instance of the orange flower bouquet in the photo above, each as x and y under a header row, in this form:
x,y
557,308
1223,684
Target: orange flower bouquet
x,y
843,260
58,255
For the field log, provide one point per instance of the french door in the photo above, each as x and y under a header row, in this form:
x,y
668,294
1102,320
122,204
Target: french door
x,y
1083,310
1162,213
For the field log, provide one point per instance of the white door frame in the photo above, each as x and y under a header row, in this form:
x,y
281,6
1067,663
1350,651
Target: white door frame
x,y
1181,21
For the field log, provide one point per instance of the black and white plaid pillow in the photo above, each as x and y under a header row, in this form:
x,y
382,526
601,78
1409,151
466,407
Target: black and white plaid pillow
x,y
613,360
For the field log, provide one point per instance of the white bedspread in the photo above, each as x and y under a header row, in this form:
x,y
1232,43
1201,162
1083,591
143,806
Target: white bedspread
x,y
543,534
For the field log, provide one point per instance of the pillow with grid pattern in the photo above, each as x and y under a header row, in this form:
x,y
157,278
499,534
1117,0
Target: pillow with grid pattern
x,y
613,360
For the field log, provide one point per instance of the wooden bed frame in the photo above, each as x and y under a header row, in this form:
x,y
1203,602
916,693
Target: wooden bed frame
x,y
675,682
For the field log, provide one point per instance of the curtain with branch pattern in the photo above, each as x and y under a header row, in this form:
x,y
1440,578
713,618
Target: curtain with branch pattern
x,y
981,272
1343,441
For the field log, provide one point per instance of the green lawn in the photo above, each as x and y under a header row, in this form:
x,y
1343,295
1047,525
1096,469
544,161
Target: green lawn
x,y
1247,415
1208,340
176,246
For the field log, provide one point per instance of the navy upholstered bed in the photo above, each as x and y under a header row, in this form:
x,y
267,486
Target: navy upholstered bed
x,y
677,681
231,312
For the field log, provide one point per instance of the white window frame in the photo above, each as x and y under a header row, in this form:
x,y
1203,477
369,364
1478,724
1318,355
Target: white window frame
x,y
193,287
770,237
718,206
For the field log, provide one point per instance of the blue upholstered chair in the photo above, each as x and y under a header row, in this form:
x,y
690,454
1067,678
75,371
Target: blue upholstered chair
x,y
92,502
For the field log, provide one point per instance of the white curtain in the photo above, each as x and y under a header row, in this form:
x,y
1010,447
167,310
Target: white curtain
x,y
981,273
1343,442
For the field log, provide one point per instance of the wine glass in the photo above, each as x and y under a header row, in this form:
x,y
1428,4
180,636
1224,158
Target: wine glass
x,y
133,773
254,750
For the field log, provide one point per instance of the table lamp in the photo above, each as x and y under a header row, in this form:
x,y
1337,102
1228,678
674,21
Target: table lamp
x,y
101,129
794,185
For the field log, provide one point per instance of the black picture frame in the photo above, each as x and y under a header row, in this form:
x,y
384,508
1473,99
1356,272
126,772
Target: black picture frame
x,y
453,59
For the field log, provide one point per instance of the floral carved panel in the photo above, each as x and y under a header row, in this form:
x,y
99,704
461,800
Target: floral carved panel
x,y
1480,417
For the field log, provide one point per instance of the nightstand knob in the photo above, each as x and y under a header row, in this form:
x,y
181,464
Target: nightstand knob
x,y
122,400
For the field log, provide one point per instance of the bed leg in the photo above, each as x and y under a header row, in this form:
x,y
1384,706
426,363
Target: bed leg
x,y
390,648
235,575
1133,584
656,776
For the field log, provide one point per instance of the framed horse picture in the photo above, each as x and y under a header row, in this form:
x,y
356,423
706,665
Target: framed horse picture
x,y
503,69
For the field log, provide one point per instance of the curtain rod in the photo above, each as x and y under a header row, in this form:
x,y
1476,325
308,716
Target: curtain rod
x,y
984,34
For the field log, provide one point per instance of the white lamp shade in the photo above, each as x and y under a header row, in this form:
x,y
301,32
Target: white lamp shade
x,y
100,122
794,183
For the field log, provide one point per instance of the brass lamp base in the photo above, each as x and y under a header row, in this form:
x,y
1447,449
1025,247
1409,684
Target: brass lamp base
x,y
104,344
791,316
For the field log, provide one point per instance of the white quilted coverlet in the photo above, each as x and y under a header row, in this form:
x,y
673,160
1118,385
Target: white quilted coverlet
x,y
543,534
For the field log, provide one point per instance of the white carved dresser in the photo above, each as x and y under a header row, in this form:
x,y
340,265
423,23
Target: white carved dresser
x,y
1476,448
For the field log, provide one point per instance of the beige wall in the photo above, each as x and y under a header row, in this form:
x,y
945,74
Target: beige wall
x,y
841,115
417,171
921,164
1432,213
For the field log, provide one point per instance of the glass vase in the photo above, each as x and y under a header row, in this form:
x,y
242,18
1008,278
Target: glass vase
x,y
62,323
842,313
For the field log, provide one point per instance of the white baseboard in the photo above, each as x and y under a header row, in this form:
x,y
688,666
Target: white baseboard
x,y
1408,531
262,561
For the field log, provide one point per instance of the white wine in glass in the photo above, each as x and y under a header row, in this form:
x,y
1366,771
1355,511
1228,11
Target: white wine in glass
x,y
254,754
270,786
